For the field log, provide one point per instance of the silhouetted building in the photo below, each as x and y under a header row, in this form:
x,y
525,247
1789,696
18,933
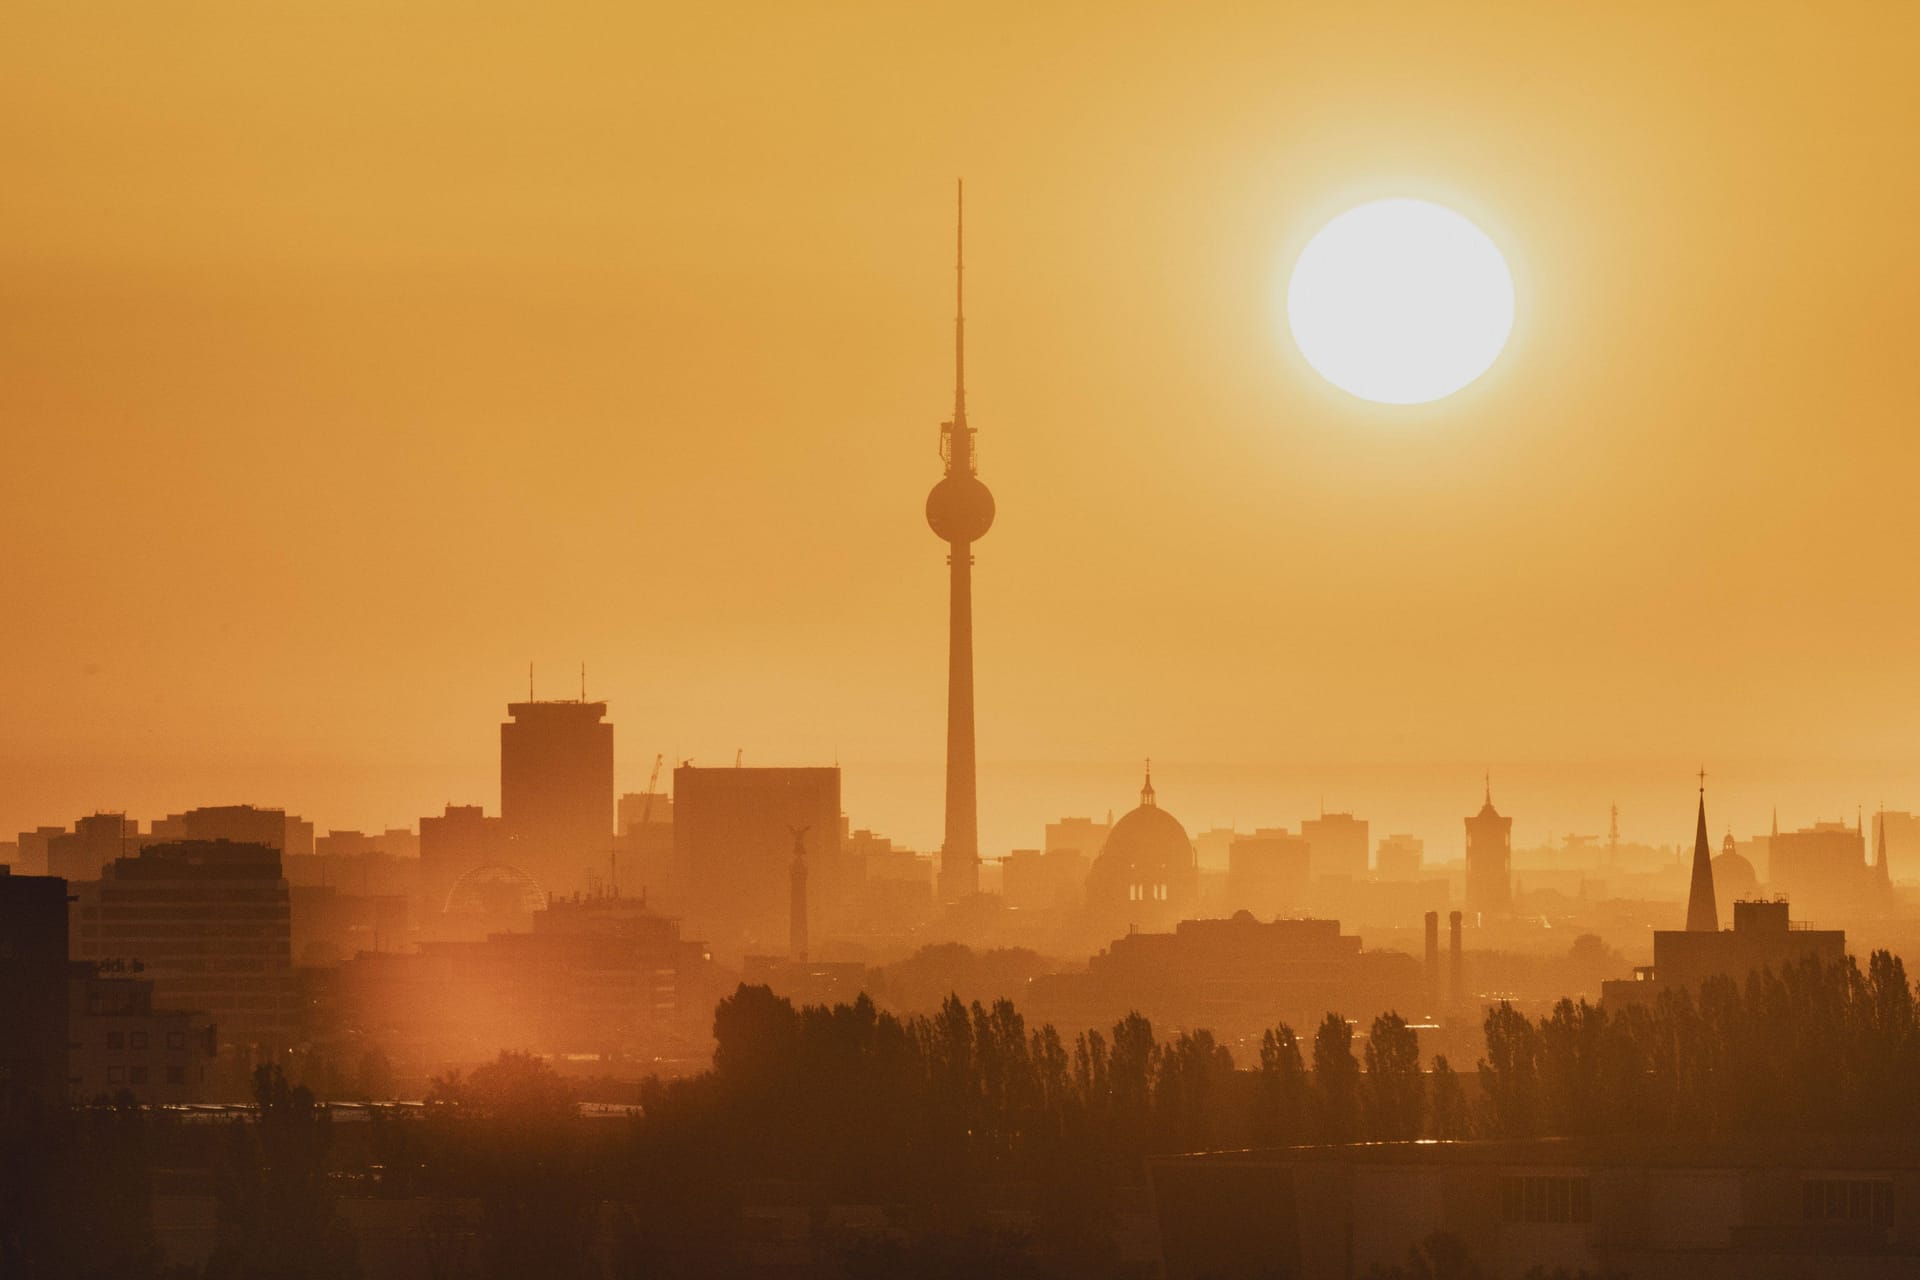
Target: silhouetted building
x,y
1235,977
1823,868
33,986
461,851
556,791
1762,937
1339,842
93,843
1900,831
31,860
329,925
1268,872
733,839
1146,876
1044,880
645,842
1703,914
605,977
208,920
1489,859
960,511
1648,1207
1733,874
1399,858
1083,836
240,824
119,1043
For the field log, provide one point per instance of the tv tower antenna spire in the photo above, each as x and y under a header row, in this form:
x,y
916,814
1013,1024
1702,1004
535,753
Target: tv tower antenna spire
x,y
960,511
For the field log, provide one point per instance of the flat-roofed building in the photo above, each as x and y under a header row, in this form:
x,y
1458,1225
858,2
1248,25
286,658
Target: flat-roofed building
x,y
120,1043
733,840
33,986
209,923
1652,1208
1762,937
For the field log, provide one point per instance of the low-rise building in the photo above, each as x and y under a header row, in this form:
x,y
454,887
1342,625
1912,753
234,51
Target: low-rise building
x,y
1655,1208
119,1043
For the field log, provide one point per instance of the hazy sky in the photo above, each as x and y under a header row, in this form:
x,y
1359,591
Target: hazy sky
x,y
351,355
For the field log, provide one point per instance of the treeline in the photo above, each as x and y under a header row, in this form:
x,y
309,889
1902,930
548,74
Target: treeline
x,y
1815,1047
953,1123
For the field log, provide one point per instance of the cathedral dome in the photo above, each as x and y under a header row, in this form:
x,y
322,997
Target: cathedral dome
x,y
1734,877
1147,860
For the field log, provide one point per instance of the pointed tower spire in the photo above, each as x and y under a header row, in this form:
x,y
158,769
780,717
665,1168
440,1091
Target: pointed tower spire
x,y
1146,788
1703,913
960,304
1882,875
1776,822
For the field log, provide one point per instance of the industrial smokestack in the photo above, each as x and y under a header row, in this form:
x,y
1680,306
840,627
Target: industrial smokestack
x,y
1433,961
1455,985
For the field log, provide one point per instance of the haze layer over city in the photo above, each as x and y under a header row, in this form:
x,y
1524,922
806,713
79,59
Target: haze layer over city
x,y
858,641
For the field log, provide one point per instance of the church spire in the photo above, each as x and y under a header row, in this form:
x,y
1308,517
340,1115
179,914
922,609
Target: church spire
x,y
1146,788
1883,877
1703,913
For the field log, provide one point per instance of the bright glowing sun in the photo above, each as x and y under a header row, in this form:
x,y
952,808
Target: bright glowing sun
x,y
1400,302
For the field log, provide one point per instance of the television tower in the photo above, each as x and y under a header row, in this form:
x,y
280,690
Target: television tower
x,y
960,511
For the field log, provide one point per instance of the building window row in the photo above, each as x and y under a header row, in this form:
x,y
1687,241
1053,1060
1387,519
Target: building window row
x,y
1868,1200
1546,1200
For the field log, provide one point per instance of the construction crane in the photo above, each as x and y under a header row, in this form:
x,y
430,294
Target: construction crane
x,y
653,785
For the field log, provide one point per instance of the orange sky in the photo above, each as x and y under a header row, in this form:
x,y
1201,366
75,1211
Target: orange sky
x,y
350,358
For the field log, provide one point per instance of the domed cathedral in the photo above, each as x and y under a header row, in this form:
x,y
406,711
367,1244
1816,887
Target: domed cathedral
x,y
1146,876
1733,874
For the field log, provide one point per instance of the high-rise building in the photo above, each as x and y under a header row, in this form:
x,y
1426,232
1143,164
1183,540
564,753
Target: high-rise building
x,y
1339,842
33,987
1268,873
733,834
556,791
1489,859
460,842
1823,868
208,922
960,511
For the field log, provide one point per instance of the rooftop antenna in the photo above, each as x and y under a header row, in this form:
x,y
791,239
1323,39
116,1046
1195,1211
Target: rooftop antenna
x,y
960,305
529,680
583,681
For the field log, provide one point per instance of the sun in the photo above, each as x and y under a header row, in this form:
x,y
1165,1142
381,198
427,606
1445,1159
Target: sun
x,y
1400,301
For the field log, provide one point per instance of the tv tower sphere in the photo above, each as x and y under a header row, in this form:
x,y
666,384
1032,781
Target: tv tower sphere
x,y
960,509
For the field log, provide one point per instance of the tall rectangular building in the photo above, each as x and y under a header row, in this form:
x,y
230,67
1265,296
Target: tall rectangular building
x,y
556,791
33,987
208,922
1339,842
733,838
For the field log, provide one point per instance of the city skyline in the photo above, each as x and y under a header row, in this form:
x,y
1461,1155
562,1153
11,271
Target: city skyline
x,y
339,442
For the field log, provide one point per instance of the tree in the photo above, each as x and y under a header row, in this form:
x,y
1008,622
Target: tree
x,y
1281,1112
1508,1074
1394,1092
275,1208
1450,1121
1336,1081
512,1128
